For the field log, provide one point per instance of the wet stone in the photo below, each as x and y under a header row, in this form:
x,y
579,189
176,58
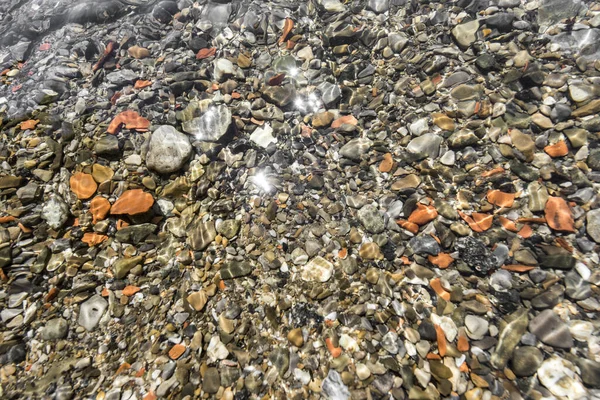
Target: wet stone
x,y
211,381
202,235
549,329
168,150
211,126
91,311
370,217
236,269
526,360
56,328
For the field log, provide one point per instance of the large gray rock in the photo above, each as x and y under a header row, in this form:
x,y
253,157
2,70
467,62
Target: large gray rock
x,y
465,34
168,150
355,148
55,328
210,126
551,330
91,311
428,144
593,224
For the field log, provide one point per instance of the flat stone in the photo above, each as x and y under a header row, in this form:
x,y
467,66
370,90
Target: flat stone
x,y
91,311
510,335
281,96
410,181
523,142
551,330
211,381
56,328
122,266
202,234
477,327
317,270
526,360
355,148
212,126
428,144
236,269
465,34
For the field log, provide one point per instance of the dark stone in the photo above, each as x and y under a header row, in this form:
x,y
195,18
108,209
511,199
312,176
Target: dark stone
x,y
526,360
564,261
427,331
164,11
474,252
424,245
501,21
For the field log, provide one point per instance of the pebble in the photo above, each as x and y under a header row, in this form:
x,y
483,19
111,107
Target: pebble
x,y
91,312
549,329
168,150
317,270
526,360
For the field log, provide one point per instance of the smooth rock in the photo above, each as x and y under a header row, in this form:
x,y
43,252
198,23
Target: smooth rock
x,y
317,270
465,34
211,126
168,150
355,148
428,144
202,234
91,311
551,330
56,328
526,360
236,269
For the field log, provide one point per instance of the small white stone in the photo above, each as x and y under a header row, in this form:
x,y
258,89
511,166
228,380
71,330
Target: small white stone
x,y
449,158
216,349
362,371
263,136
348,343
302,376
318,269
